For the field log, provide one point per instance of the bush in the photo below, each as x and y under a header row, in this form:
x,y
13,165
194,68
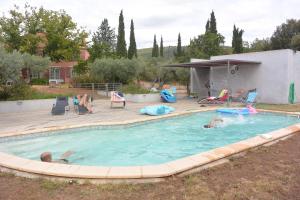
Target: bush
x,y
22,91
114,70
39,81
86,78
4,92
134,89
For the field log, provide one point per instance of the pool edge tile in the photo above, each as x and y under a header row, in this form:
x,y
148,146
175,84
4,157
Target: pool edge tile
x,y
125,172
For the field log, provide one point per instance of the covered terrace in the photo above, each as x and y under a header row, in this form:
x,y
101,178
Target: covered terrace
x,y
202,71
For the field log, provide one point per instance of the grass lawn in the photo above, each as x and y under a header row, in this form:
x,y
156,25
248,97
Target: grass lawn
x,y
264,173
281,107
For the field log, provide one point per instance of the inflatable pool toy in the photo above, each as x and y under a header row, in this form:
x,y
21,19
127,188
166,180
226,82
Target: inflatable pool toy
x,y
238,111
167,96
156,110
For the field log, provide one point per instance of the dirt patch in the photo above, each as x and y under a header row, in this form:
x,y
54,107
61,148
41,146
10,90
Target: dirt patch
x,y
265,173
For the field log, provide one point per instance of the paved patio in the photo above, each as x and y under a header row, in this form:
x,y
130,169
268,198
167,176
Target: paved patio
x,y
15,123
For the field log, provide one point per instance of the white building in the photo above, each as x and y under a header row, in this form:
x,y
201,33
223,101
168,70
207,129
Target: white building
x,y
270,72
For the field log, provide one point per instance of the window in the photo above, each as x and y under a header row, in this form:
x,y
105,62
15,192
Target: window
x,y
35,75
54,73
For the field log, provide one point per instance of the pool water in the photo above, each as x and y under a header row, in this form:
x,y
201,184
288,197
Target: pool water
x,y
145,143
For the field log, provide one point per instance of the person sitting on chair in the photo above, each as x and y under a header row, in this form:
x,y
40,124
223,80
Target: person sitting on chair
x,y
84,101
213,123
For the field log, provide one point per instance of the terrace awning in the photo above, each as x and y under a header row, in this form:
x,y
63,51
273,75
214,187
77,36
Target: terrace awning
x,y
214,63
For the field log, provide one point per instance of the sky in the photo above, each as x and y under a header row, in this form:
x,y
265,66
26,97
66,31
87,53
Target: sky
x,y
167,18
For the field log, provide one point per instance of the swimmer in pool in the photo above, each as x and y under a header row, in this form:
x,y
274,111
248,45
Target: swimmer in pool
x,y
47,157
213,123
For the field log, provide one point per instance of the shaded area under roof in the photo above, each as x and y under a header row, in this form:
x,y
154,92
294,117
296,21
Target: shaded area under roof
x,y
214,63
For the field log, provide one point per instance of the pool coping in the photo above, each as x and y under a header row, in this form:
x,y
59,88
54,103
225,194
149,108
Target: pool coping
x,y
164,170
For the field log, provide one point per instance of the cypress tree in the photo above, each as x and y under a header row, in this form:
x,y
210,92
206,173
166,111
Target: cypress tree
x,y
207,26
161,50
179,49
237,40
132,46
155,48
213,23
121,43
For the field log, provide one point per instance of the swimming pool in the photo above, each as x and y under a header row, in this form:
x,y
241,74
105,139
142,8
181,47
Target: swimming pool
x,y
145,143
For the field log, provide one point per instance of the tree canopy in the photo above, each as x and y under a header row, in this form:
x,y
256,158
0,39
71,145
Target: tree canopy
x,y
121,42
155,52
237,40
295,42
104,41
132,51
209,43
61,39
282,37
11,64
161,47
114,70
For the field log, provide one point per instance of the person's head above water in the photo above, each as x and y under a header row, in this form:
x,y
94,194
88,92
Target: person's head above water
x,y
207,126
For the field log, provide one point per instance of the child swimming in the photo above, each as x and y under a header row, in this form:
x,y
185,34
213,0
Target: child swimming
x,y
213,123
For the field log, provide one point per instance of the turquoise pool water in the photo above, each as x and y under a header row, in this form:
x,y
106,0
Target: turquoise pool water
x,y
146,143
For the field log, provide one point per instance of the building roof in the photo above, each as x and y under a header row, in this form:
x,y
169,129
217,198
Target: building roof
x,y
214,63
69,64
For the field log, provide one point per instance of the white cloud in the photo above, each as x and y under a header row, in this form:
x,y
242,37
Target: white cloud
x,y
258,18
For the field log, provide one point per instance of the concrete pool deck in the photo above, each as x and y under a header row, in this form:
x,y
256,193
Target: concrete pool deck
x,y
29,122
25,123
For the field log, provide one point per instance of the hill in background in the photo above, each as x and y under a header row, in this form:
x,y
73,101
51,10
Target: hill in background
x,y
147,52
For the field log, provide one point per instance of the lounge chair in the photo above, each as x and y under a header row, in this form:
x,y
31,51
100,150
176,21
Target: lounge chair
x,y
251,97
117,97
223,96
60,107
80,110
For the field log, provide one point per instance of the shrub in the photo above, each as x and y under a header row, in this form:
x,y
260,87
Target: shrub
x,y
39,81
22,91
114,70
85,78
134,89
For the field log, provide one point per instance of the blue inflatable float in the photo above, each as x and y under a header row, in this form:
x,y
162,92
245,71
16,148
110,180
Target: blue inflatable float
x,y
243,111
238,111
156,110
167,96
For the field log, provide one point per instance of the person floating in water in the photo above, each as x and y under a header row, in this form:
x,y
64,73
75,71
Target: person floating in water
x,y
47,157
213,123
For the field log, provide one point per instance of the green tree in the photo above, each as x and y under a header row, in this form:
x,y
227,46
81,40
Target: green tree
x,y
132,51
237,40
207,28
104,41
34,64
20,31
114,70
281,38
155,52
10,65
295,43
213,23
11,29
207,44
179,48
121,43
260,45
81,67
161,48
